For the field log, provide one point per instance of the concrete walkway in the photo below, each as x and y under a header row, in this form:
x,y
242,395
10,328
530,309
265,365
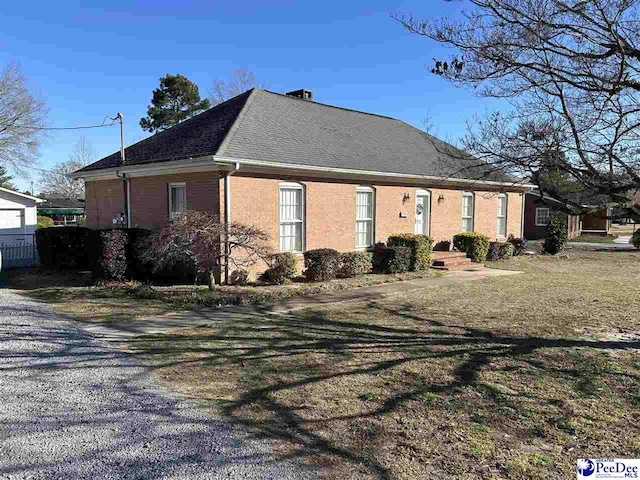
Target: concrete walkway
x,y
164,323
620,243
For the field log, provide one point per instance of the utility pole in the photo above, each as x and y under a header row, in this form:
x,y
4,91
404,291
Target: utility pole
x,y
125,181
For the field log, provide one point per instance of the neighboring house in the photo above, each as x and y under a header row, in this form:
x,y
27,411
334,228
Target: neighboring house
x,y
17,227
311,175
63,211
538,212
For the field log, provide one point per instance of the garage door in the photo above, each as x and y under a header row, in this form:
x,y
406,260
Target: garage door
x,y
11,219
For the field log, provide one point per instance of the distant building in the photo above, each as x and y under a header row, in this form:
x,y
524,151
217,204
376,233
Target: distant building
x,y
63,211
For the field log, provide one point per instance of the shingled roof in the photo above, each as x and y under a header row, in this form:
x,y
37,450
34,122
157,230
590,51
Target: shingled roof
x,y
266,126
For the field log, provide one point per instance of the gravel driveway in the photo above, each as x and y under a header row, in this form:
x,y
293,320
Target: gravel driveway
x,y
72,406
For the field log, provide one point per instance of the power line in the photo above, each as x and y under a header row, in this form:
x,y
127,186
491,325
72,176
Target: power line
x,y
81,127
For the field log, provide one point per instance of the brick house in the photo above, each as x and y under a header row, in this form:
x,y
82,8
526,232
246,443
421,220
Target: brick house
x,y
538,212
311,175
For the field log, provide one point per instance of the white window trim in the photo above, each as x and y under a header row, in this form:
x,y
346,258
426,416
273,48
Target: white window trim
x,y
538,209
169,187
473,211
506,216
364,188
425,193
303,206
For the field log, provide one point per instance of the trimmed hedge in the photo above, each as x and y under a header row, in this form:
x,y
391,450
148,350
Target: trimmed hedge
x,y
499,250
474,244
354,264
321,264
635,239
519,245
420,246
397,260
284,266
442,246
555,236
63,247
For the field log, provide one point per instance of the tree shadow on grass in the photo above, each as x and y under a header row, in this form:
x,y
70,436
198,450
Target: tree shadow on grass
x,y
277,356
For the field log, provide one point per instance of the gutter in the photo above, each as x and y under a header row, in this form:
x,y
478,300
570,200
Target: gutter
x,y
348,171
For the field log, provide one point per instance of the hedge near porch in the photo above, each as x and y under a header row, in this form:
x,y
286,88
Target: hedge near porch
x,y
420,247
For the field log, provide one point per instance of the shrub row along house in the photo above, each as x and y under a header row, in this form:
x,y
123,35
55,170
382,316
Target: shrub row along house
x,y
310,175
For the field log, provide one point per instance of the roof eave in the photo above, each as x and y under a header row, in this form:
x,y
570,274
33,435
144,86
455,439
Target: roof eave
x,y
359,174
23,195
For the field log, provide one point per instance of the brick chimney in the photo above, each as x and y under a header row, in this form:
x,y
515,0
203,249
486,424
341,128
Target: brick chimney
x,y
302,93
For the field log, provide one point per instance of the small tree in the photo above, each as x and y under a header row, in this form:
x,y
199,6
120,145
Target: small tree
x,y
5,179
240,81
556,236
197,238
177,99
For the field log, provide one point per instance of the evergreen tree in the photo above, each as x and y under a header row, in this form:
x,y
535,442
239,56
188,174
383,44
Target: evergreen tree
x,y
177,99
5,179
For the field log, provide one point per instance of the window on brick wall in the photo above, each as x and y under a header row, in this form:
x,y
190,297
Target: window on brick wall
x,y
501,222
292,212
177,199
467,211
365,217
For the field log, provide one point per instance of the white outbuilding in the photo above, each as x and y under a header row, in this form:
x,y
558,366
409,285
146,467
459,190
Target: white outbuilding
x,y
18,219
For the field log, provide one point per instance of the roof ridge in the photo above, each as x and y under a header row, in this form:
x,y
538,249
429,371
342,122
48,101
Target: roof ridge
x,y
328,105
236,122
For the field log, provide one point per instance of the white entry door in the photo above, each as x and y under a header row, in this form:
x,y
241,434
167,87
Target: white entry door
x,y
423,213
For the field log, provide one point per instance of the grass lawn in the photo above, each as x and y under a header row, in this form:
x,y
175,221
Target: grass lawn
x,y
627,229
514,377
75,294
594,238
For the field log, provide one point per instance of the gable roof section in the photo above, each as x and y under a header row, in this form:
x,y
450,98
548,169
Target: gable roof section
x,y
266,126
198,136
22,195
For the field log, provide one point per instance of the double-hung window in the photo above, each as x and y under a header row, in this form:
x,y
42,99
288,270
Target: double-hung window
x,y
291,217
467,212
365,215
543,216
501,222
177,199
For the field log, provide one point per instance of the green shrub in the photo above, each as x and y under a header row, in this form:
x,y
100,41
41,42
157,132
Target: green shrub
x,y
284,266
505,250
397,260
635,239
556,236
321,264
475,245
379,252
354,264
519,245
493,251
420,245
44,222
442,246
63,247
499,250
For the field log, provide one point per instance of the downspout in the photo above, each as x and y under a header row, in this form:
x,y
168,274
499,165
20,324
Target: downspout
x,y
126,194
522,205
227,218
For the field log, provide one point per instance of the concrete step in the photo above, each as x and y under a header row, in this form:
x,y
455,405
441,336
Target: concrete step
x,y
457,267
446,263
447,255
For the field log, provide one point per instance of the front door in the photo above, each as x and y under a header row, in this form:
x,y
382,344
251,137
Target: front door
x,y
423,205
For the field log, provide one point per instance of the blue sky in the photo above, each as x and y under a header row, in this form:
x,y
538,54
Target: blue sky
x,y
88,62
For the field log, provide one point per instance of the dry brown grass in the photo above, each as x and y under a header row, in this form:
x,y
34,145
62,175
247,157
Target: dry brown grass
x,y
74,293
514,377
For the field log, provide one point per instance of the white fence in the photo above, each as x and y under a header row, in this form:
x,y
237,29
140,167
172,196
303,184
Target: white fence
x,y
18,251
